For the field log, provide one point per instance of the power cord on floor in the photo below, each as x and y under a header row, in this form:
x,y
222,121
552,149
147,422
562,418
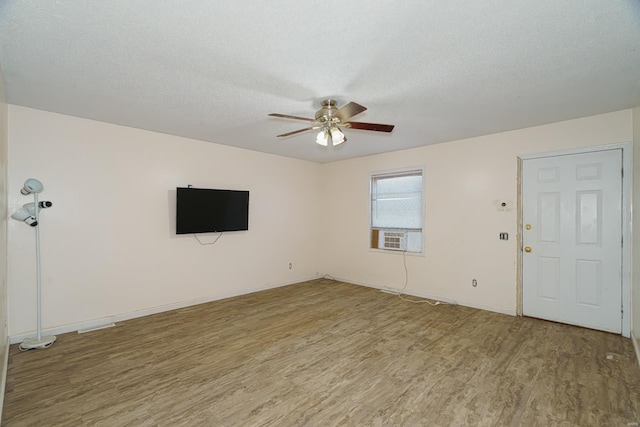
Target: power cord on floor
x,y
400,293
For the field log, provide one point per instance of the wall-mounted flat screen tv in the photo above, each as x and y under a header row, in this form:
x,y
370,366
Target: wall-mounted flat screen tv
x,y
203,210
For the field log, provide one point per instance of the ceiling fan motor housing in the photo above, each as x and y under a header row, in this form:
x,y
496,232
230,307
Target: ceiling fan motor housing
x,y
325,114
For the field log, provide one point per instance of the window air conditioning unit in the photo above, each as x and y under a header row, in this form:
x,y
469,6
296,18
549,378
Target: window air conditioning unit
x,y
394,240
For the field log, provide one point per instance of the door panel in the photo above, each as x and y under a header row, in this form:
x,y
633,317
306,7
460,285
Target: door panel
x,y
549,284
572,212
549,217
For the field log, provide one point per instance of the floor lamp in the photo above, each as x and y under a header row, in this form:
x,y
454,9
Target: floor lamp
x,y
30,214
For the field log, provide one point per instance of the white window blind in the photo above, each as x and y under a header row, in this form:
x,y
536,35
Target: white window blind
x,y
397,211
396,200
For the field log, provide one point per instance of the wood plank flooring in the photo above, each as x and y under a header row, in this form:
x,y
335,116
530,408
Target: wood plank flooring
x,y
325,353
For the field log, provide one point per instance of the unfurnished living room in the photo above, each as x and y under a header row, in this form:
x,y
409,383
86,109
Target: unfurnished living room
x,y
320,213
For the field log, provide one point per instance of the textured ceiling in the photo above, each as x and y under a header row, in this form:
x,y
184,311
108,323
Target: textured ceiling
x,y
213,70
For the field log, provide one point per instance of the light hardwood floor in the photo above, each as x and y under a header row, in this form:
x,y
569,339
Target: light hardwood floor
x,y
326,353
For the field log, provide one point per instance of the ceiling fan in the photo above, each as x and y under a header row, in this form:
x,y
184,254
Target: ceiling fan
x,y
329,119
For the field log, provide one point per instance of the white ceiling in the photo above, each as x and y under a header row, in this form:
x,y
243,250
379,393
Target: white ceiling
x,y
213,70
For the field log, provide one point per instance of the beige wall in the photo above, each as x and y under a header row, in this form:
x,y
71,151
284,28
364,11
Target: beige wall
x,y
109,248
636,228
464,180
108,243
3,236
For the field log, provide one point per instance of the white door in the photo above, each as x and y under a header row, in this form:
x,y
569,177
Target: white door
x,y
572,239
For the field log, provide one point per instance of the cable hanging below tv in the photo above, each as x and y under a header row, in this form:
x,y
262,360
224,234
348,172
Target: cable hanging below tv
x,y
204,210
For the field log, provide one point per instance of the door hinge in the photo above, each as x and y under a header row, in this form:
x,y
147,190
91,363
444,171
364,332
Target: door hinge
x,y
622,241
622,172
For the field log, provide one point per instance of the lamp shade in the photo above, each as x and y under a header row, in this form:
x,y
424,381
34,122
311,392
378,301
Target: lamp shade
x,y
323,137
337,137
23,214
31,208
32,185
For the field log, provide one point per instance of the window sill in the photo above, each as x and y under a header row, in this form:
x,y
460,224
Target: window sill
x,y
392,252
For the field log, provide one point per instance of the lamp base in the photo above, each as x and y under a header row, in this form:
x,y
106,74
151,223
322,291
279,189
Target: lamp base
x,y
31,343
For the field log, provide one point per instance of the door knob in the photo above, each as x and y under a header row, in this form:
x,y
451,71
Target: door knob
x,y
527,248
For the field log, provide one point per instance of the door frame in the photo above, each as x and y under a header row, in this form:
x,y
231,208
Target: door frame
x,y
627,179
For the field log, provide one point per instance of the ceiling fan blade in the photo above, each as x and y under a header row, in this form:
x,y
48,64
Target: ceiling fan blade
x,y
286,116
349,110
298,131
378,127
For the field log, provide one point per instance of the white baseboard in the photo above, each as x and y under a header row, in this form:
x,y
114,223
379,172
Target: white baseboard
x,y
636,346
104,321
3,376
502,310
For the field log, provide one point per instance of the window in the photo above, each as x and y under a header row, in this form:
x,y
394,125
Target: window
x,y
396,211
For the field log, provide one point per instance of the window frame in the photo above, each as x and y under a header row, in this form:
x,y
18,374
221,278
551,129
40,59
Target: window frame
x,y
391,173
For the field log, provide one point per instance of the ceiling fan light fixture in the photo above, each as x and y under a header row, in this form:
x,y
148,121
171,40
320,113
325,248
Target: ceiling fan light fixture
x,y
323,137
337,137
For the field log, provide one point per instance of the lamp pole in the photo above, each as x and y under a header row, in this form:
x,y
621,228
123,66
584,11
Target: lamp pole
x,y
38,272
40,341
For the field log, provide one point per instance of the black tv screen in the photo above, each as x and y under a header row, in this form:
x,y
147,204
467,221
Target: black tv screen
x,y
202,210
